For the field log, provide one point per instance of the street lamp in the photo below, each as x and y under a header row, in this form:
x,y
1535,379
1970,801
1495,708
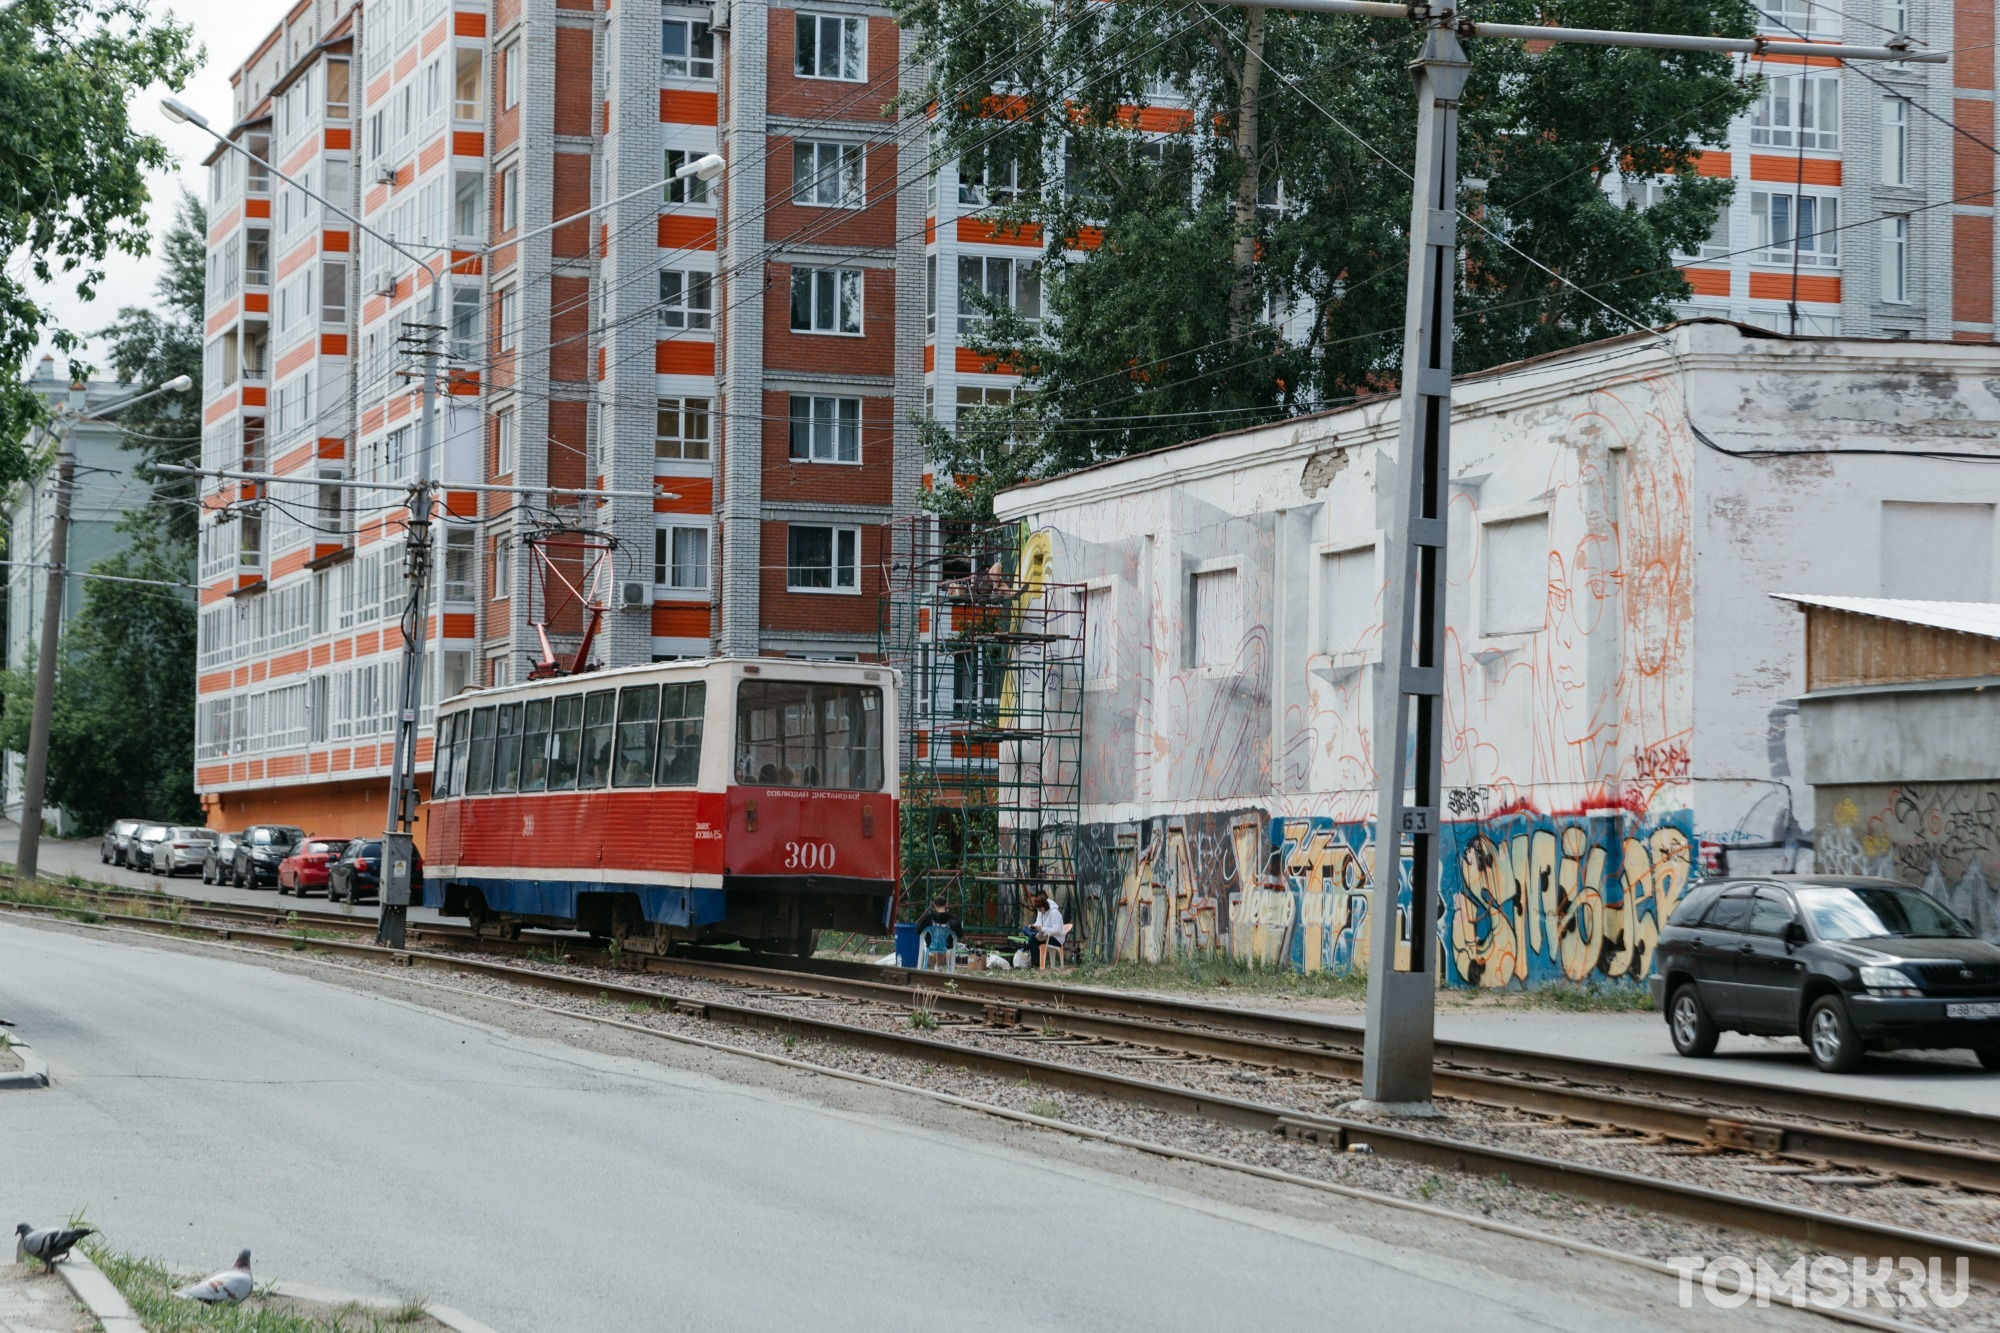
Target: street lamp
x,y
34,781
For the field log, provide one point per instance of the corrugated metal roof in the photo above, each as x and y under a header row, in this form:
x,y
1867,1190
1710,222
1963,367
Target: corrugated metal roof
x,y
1981,618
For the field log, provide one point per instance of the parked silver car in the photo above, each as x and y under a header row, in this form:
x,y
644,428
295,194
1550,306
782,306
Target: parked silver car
x,y
184,848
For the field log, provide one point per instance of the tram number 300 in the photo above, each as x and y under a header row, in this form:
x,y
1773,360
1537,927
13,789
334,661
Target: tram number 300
x,y
809,856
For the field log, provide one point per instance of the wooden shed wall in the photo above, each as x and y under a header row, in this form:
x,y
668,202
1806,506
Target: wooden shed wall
x,y
1844,649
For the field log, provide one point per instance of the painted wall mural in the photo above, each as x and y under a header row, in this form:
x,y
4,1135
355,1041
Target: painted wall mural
x,y
1527,899
1941,836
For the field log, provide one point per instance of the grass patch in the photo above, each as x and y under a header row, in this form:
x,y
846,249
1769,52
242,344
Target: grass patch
x,y
149,1286
1214,972
1048,1108
1591,997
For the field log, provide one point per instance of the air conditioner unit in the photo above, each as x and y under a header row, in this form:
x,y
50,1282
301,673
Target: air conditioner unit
x,y
385,175
382,282
633,594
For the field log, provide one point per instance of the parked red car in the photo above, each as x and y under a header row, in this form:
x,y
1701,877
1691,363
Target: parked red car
x,y
306,867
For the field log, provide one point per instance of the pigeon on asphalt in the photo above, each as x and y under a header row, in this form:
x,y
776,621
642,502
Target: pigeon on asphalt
x,y
228,1287
50,1244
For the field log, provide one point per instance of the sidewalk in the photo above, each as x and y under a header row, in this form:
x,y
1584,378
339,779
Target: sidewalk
x,y
35,1301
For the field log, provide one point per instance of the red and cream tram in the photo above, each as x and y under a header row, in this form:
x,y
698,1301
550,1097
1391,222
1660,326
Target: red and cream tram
x,y
738,799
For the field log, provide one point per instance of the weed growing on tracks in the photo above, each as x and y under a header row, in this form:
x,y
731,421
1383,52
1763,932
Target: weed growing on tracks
x,y
1430,1186
614,954
790,1041
924,1016
1048,1108
1215,971
550,955
1049,1028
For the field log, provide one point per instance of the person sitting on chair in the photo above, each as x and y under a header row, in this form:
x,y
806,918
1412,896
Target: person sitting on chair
x,y
1048,932
937,931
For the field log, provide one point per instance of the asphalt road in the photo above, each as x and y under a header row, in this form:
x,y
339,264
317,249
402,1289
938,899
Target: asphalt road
x,y
361,1142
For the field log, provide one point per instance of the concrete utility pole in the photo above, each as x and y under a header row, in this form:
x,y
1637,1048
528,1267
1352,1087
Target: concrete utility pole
x,y
1409,699
35,778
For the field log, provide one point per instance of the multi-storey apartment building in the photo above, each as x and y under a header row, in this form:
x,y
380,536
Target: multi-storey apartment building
x,y
737,362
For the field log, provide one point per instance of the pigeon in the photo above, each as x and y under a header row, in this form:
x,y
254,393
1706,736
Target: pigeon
x,y
228,1287
51,1244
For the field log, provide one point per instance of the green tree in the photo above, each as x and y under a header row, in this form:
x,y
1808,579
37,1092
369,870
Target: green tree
x,y
150,347
72,167
1272,175
121,738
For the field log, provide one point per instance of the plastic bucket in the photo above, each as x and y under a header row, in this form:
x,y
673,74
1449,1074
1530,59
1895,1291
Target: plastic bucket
x,y
906,943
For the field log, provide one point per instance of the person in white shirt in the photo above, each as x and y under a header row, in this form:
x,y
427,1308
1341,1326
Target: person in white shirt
x,y
1049,928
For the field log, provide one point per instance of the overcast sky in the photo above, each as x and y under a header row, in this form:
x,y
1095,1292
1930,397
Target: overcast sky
x,y
228,30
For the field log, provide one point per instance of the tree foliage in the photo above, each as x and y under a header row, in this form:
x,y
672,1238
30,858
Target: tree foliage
x,y
121,740
1197,170
150,347
72,166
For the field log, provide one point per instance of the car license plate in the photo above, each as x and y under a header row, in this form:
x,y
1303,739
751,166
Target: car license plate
x,y
1990,1010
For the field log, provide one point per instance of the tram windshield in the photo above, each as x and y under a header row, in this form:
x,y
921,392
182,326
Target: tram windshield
x,y
793,733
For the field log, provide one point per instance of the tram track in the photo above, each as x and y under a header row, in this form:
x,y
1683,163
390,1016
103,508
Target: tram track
x,y
1060,1038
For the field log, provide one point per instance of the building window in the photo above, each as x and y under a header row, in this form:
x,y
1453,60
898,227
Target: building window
x,y
1817,232
510,76
687,49
503,452
506,314
831,47
465,305
1514,559
1895,259
826,430
1798,111
826,300
930,294
1214,618
1350,594
1895,141
458,549
333,291
510,199
680,558
822,558
468,199
466,93
503,569
686,299
827,175
682,429
990,282
1807,18
992,182
336,90
683,190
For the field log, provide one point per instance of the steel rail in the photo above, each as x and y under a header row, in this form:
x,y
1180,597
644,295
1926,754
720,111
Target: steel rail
x,y
1493,1080
1829,1231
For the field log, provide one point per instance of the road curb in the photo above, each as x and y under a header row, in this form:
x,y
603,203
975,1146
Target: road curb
x,y
86,1282
33,1073
453,1319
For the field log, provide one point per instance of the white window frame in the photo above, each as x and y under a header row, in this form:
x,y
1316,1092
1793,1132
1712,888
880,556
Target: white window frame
x,y
692,64
1895,141
1765,208
505,443
687,408
1893,259
829,437
510,199
1786,101
1499,518
1369,652
667,569
827,173
506,314
1191,631
850,56
843,290
687,299
839,534
1021,286
510,76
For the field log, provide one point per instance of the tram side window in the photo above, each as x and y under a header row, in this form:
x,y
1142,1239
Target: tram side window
x,y
596,763
479,776
447,727
798,734
638,724
507,748
681,708
565,742
535,745
461,754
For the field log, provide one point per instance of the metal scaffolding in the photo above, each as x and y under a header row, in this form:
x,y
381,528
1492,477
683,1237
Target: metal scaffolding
x,y
992,656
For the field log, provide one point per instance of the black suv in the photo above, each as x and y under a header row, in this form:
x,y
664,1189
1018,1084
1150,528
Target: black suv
x,y
259,848
1843,964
